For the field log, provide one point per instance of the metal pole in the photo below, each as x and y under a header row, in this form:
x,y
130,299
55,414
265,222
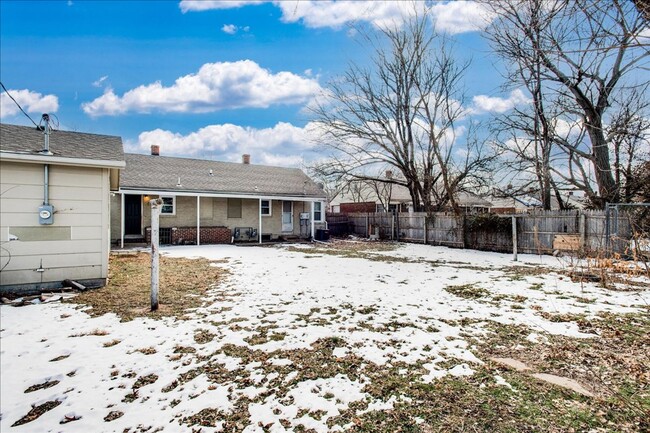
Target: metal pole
x,y
155,214
313,226
198,220
122,213
259,224
514,238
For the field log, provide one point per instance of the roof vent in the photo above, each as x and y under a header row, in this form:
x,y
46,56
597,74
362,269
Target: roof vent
x,y
246,158
155,150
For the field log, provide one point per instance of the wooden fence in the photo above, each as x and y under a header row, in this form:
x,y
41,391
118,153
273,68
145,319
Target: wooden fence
x,y
536,233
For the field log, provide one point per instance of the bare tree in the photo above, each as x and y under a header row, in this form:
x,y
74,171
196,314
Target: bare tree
x,y
576,57
402,112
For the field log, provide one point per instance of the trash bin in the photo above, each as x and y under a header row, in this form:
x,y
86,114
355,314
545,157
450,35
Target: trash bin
x,y
322,234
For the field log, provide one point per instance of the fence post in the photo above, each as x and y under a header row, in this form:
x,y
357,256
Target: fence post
x,y
397,218
607,232
582,228
464,229
425,230
367,224
392,226
514,238
155,239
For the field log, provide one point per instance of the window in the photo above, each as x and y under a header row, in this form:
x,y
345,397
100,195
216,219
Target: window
x,y
266,208
318,211
169,206
380,208
234,208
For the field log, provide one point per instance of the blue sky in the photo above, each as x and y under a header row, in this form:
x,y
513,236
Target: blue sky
x,y
206,79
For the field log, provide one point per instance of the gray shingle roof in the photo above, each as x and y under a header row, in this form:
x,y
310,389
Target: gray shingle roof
x,y
161,173
64,144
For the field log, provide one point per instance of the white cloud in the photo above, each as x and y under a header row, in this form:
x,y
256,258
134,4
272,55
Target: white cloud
x,y
204,5
460,16
495,104
284,144
100,81
32,102
451,17
216,86
231,29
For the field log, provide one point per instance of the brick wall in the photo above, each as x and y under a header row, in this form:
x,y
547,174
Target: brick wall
x,y
209,235
358,207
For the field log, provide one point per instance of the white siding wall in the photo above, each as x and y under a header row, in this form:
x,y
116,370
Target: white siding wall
x,y
76,246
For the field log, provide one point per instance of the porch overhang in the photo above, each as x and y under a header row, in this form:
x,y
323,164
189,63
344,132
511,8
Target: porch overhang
x,y
199,194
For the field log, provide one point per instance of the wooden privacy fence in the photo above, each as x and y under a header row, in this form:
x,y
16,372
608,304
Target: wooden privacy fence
x,y
536,233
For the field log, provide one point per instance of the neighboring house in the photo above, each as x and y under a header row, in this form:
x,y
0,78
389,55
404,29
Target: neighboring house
x,y
54,207
382,197
523,204
214,202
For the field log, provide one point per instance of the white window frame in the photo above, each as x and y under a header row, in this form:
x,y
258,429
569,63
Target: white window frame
x,y
270,207
173,212
320,211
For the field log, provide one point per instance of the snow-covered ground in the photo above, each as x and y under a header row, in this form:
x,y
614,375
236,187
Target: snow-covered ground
x,y
383,307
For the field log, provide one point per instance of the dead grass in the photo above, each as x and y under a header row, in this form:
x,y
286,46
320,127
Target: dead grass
x,y
37,411
183,284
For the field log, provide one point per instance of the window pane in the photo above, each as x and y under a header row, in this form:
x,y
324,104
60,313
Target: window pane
x,y
234,208
168,205
266,207
318,214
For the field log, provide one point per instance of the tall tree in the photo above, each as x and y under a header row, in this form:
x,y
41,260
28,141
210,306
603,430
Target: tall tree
x,y
402,113
577,58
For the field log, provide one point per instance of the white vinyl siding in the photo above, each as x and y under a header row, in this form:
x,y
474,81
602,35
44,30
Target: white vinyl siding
x,y
80,197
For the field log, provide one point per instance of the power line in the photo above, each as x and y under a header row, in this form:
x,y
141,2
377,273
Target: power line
x,y
16,102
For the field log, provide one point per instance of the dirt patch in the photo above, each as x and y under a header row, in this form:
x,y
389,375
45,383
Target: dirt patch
x,y
467,291
183,284
44,385
37,411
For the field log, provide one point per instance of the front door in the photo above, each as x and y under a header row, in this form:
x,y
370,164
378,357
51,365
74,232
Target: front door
x,y
132,214
287,216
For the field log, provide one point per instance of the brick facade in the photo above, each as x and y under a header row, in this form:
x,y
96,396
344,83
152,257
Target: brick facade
x,y
187,235
368,206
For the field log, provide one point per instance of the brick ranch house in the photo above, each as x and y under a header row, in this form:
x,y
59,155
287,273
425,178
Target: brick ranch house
x,y
209,202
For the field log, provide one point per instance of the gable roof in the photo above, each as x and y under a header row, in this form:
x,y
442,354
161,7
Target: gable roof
x,y
27,142
162,173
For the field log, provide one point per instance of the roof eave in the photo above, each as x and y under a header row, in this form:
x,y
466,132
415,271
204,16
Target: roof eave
x,y
58,160
233,194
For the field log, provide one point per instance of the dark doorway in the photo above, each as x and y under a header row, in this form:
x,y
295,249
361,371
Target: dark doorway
x,y
132,215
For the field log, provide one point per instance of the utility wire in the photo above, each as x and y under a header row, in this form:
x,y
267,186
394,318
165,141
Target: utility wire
x,y
21,108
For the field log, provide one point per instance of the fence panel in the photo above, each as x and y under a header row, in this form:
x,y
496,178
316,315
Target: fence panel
x,y
446,230
536,232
